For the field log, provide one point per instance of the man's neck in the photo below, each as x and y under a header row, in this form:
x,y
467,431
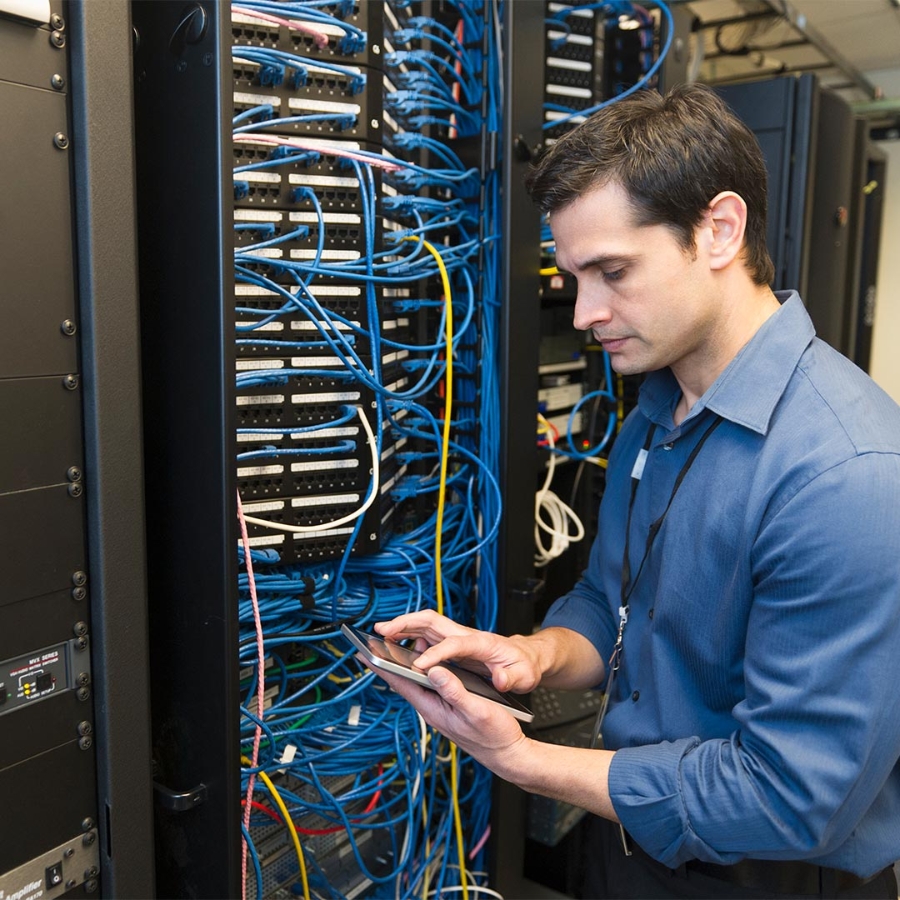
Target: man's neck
x,y
738,327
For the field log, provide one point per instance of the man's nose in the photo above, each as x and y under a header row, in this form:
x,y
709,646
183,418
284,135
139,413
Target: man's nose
x,y
590,310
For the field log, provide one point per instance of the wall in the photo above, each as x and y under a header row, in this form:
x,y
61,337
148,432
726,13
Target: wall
x,y
885,363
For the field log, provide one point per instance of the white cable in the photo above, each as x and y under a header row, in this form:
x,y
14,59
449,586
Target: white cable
x,y
561,515
471,887
423,743
325,526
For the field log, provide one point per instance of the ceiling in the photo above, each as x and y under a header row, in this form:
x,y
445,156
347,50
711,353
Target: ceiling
x,y
853,45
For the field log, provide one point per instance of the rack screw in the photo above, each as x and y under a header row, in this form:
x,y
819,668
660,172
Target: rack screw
x,y
79,578
80,628
70,382
87,824
57,22
85,728
68,327
90,837
83,693
73,473
79,593
76,490
57,82
81,643
58,39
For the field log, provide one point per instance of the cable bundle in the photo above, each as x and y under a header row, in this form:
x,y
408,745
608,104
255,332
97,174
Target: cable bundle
x,y
368,443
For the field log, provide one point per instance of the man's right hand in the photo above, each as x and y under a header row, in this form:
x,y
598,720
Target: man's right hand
x,y
517,664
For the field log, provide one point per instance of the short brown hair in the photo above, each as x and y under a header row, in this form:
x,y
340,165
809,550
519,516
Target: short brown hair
x,y
672,154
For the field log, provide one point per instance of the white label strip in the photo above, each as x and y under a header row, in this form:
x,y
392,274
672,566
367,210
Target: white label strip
x,y
325,145
325,500
334,397
251,471
266,540
352,69
253,290
257,215
582,39
269,326
324,433
325,106
561,90
319,465
573,65
326,254
247,365
311,326
328,532
315,362
323,180
265,400
265,252
344,218
257,436
268,506
337,290
258,177
244,99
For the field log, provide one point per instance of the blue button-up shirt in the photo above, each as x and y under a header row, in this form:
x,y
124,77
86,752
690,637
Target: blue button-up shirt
x,y
757,709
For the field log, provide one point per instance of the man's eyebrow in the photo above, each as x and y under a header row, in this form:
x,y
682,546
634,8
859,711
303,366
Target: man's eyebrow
x,y
606,259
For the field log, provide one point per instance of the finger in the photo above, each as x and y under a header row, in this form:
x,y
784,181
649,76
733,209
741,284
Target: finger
x,y
473,646
423,624
450,688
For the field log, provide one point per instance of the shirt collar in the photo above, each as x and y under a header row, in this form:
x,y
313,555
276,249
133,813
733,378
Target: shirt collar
x,y
753,382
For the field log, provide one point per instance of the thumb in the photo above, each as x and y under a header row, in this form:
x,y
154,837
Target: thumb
x,y
446,684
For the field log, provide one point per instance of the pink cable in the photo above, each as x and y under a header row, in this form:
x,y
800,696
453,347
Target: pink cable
x,y
483,840
252,138
320,37
260,691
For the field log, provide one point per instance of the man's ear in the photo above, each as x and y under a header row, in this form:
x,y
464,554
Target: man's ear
x,y
724,224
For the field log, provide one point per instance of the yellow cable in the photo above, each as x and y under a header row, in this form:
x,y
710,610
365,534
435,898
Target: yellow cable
x,y
457,822
448,405
425,878
550,270
289,823
442,491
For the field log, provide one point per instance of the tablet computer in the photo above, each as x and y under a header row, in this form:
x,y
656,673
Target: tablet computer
x,y
380,653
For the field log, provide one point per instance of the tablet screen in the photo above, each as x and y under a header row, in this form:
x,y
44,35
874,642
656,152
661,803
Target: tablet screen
x,y
393,657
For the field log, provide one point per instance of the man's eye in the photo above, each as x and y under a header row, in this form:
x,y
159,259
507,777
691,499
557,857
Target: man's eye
x,y
614,275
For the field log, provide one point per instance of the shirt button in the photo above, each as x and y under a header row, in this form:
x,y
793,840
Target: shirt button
x,y
668,446
635,696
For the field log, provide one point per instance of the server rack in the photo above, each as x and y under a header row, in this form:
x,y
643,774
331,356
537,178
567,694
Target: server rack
x,y
183,90
75,774
807,135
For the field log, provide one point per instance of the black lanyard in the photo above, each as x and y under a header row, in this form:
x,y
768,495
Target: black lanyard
x,y
627,583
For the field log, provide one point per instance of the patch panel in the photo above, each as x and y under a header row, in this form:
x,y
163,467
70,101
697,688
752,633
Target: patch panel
x,y
340,44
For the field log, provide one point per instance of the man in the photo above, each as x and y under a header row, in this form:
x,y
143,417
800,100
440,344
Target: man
x,y
745,582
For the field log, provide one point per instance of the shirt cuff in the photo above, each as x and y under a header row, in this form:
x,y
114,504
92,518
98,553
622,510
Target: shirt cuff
x,y
645,793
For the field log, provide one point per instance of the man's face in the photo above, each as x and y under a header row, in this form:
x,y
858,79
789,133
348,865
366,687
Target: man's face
x,y
646,300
